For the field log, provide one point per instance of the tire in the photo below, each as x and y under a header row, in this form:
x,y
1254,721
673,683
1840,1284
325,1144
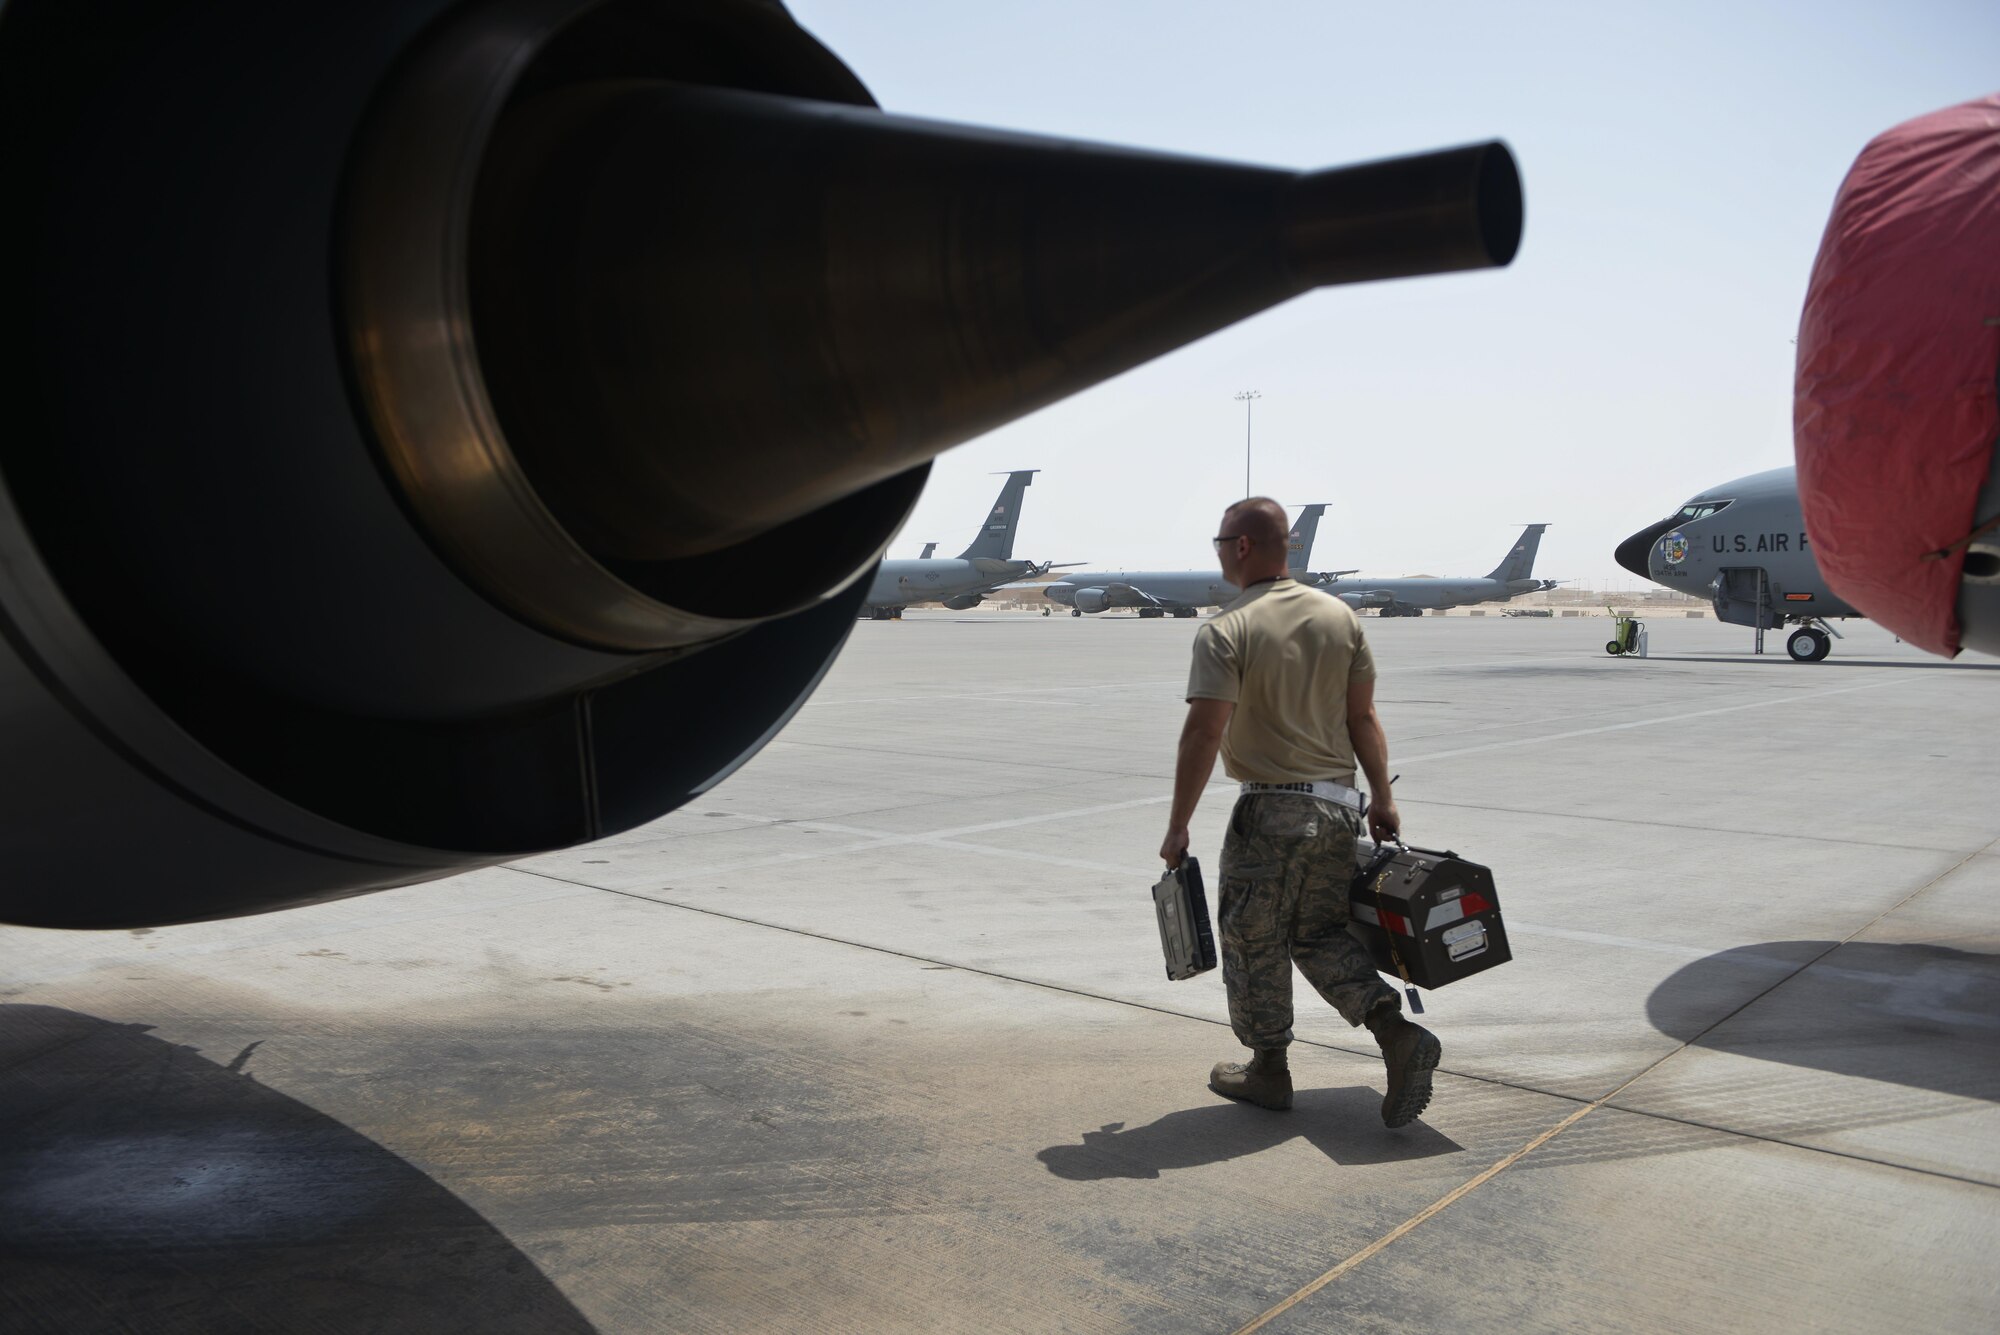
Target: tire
x,y
1076,611
1809,645
1613,648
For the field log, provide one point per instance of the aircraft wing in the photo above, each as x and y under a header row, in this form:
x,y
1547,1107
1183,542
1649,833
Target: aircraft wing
x,y
1131,595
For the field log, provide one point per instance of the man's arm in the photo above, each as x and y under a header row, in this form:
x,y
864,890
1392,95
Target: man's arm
x,y
1371,752
1201,737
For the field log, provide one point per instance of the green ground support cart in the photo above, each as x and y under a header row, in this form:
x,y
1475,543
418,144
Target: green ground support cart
x,y
1625,634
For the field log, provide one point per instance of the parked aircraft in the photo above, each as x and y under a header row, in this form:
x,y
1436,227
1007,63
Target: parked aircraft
x,y
1181,593
962,581
1410,597
1742,545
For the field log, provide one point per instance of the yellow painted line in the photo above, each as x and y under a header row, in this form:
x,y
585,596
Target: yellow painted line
x,y
1451,1197
1440,1204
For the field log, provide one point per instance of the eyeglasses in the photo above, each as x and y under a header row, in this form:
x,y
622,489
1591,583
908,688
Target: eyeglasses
x,y
1227,537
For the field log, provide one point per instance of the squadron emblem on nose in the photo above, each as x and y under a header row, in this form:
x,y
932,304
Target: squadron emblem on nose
x,y
1674,547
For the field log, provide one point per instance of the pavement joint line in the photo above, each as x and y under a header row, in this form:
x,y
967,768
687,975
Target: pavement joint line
x,y
1702,826
921,837
1509,723
1474,1077
1494,1170
1414,1221
1018,822
879,838
845,747
1019,690
1768,1138
1765,702
904,700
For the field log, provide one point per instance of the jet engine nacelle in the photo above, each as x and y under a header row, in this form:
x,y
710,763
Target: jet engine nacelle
x,y
965,601
1895,425
1090,600
396,390
1371,598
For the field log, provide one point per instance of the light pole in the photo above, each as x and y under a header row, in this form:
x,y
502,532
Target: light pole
x,y
1246,398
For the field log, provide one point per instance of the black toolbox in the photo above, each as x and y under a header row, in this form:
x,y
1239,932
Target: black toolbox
x,y
1428,918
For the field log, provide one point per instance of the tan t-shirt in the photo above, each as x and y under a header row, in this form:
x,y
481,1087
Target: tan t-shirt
x,y
1283,654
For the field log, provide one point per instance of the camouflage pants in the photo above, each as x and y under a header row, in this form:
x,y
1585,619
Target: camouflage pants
x,y
1286,866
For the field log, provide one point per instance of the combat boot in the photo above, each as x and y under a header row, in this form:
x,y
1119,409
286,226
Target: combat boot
x,y
1411,1053
1265,1081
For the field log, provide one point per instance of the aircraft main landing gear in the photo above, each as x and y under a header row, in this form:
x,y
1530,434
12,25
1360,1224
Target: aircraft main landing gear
x,y
1184,611
1809,644
1076,611
1149,613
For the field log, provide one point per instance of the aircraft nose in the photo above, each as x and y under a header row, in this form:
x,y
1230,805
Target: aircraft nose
x,y
1636,552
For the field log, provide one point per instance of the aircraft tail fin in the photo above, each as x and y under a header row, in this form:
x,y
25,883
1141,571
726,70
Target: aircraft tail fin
x,y
1520,563
1299,545
930,550
996,535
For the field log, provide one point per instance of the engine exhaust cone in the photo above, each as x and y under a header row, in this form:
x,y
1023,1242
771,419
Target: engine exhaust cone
x,y
703,313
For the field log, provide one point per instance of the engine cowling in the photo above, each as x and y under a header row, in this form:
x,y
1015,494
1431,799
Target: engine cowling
x,y
1894,417
965,601
395,527
1371,598
1090,600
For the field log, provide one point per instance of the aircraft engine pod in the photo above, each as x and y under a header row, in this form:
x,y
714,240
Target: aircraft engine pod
x,y
440,432
1090,600
1895,424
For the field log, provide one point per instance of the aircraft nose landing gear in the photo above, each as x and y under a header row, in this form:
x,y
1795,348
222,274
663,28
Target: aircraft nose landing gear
x,y
1809,644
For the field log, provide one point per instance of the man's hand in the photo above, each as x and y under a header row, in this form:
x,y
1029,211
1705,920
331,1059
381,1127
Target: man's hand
x,y
1385,823
1175,846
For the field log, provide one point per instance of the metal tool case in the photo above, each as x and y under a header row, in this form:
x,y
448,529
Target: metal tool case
x,y
1185,936
1428,917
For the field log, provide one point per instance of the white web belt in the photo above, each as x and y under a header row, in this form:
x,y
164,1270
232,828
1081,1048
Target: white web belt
x,y
1321,788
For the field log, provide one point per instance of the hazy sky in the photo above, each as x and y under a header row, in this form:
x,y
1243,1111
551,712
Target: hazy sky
x,y
1679,160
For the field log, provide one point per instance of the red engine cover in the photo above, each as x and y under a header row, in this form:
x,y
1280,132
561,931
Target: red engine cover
x,y
1894,418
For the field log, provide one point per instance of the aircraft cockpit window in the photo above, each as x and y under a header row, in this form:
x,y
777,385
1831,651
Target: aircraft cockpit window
x,y
1701,509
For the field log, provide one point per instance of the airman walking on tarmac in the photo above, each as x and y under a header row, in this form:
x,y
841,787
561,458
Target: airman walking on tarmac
x,y
1283,685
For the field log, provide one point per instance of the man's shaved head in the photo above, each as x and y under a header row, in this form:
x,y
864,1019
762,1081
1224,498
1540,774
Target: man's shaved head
x,y
1262,520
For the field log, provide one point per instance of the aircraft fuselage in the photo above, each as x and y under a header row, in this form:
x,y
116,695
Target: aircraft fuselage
x,y
904,583
1718,544
1743,547
1422,593
1100,590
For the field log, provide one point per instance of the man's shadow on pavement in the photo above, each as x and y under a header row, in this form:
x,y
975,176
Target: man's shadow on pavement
x,y
1343,1124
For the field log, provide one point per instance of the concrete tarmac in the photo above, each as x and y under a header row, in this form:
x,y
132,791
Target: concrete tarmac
x,y
874,1037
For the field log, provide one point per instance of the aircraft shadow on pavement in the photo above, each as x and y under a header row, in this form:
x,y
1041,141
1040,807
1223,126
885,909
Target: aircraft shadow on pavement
x,y
1923,1016
1343,1124
143,1187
